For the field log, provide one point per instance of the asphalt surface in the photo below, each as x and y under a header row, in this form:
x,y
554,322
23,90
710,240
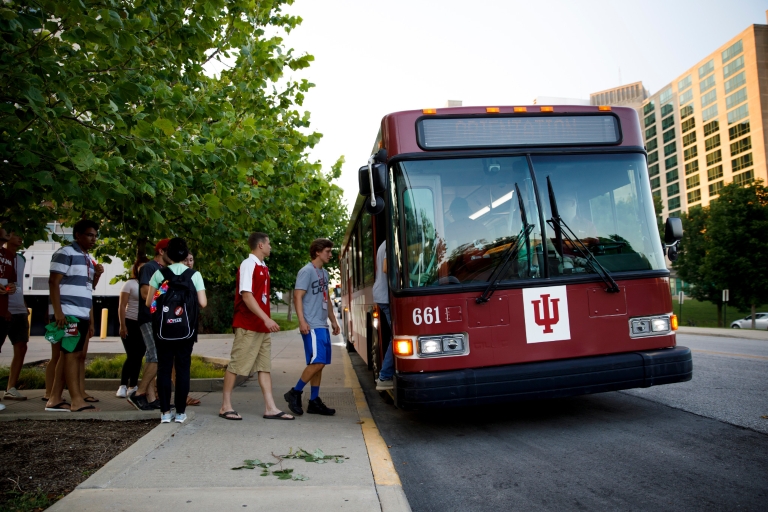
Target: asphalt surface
x,y
699,445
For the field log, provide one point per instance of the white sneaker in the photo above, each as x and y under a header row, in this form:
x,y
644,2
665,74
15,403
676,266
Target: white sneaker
x,y
181,418
384,385
122,392
134,389
13,394
2,407
167,417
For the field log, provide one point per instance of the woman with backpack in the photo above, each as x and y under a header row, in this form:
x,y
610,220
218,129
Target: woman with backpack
x,y
176,293
130,334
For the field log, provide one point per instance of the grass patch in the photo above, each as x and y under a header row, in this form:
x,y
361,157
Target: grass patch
x,y
31,501
282,320
103,368
704,314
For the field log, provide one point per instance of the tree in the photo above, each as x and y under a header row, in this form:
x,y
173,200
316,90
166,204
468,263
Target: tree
x,y
690,265
738,246
106,113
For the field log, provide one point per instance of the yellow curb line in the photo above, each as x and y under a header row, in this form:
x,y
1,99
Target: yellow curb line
x,y
384,473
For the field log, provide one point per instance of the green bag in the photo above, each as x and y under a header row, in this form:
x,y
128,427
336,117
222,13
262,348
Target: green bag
x,y
55,334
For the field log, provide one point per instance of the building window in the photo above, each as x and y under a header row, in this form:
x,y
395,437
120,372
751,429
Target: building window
x,y
735,82
688,124
656,193
741,146
742,162
715,172
707,84
670,162
738,113
694,195
691,167
686,97
706,69
669,135
692,181
712,142
667,122
736,98
673,203
732,51
655,182
691,152
653,157
712,127
737,131
650,120
709,113
686,111
671,175
689,139
648,108
666,109
733,67
714,188
652,144
744,178
653,170
665,95
708,98
673,189
650,132
670,148
714,157
684,83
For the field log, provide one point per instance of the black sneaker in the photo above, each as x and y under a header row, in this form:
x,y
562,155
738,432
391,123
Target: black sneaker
x,y
293,398
139,402
317,406
155,404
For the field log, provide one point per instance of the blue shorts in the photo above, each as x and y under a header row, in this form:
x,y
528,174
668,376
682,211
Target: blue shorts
x,y
317,346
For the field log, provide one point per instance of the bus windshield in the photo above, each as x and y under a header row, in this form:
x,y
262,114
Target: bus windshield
x,y
458,217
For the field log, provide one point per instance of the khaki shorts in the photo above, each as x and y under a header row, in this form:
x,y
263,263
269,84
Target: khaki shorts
x,y
251,352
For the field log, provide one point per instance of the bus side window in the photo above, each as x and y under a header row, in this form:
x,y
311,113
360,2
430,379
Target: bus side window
x,y
368,252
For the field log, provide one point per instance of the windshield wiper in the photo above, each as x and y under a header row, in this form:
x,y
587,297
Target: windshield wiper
x,y
513,249
562,229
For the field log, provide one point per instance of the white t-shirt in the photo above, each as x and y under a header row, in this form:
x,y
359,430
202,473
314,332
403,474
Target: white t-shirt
x,y
16,301
380,286
131,287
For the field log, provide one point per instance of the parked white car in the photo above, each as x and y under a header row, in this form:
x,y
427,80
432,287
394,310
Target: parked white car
x,y
761,322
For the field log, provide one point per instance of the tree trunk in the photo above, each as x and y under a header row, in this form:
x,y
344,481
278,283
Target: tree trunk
x,y
289,317
720,319
753,316
141,247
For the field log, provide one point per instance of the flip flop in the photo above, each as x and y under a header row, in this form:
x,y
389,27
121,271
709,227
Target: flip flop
x,y
193,401
279,416
45,398
90,399
229,415
58,408
84,408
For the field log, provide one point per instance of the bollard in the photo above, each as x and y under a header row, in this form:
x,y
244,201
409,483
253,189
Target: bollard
x,y
104,317
29,322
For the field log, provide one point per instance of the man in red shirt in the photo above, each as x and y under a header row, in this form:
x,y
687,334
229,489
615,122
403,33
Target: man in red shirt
x,y
252,347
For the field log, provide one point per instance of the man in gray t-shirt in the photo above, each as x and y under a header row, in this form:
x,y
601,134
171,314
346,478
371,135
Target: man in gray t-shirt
x,y
314,309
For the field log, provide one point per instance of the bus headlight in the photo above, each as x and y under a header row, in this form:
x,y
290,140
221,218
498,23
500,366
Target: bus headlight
x,y
649,326
445,345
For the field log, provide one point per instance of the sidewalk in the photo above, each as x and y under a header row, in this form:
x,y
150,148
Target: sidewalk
x,y
748,334
189,466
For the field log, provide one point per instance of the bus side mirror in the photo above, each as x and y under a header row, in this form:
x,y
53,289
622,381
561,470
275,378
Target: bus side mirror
x,y
673,230
379,172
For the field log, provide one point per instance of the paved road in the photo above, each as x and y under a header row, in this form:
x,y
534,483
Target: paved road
x,y
693,446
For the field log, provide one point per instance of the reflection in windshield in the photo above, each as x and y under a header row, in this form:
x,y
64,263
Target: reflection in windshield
x,y
460,215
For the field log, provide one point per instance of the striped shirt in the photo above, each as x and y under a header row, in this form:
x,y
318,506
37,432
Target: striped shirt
x,y
76,287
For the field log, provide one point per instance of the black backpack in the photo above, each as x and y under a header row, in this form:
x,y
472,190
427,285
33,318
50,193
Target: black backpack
x,y
175,318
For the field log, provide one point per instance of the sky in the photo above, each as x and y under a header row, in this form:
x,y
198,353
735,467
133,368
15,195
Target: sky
x,y
373,58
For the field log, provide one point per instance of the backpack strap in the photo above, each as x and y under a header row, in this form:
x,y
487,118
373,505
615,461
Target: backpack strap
x,y
167,273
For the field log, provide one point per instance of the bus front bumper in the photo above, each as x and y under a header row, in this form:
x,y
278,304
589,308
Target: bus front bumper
x,y
548,379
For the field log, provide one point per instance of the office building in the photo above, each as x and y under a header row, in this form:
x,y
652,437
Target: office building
x,y
630,95
705,129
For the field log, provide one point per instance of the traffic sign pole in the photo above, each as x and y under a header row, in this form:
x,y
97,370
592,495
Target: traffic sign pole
x,y
680,300
725,307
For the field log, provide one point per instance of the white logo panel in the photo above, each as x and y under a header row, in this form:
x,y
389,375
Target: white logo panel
x,y
546,314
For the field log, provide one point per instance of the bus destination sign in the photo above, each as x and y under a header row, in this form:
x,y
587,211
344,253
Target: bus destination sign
x,y
531,130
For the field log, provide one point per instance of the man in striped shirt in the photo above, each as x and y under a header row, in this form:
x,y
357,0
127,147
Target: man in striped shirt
x,y
71,283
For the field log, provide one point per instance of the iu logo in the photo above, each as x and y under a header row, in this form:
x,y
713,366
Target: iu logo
x,y
546,314
179,310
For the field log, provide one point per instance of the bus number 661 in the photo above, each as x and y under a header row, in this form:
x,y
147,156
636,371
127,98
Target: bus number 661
x,y
428,318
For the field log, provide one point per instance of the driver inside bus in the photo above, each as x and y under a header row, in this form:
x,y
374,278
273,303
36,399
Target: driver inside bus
x,y
583,228
464,231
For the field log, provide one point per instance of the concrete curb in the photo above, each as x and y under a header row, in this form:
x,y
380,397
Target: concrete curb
x,y
392,498
103,415
195,385
747,334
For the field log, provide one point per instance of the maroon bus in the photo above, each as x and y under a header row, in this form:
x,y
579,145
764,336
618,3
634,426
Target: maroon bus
x,y
524,259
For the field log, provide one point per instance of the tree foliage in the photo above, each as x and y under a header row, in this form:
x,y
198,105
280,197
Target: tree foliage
x,y
724,247
106,113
